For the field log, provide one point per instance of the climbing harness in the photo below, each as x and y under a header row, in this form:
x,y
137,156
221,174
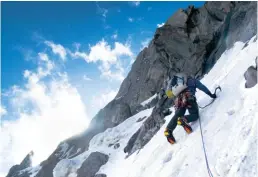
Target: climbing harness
x,y
203,145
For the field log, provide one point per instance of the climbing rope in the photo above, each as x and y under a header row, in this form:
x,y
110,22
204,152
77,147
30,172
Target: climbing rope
x,y
204,150
203,145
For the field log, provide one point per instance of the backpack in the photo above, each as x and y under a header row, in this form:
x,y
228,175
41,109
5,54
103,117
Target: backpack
x,y
178,83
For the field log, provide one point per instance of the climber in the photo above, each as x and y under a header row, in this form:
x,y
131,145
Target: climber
x,y
183,88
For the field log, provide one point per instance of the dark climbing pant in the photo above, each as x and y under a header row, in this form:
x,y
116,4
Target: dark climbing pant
x,y
180,112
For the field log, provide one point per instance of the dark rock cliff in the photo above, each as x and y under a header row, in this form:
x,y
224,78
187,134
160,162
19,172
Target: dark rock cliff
x,y
15,171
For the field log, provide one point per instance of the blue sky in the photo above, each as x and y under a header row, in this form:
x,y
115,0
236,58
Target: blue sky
x,y
65,58
26,25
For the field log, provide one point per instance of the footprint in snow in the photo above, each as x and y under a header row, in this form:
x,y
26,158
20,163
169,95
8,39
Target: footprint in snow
x,y
231,112
168,157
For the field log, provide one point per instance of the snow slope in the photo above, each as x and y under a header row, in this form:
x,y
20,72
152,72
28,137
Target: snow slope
x,y
101,143
148,100
229,127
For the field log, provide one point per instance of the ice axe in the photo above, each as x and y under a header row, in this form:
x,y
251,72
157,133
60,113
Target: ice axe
x,y
217,88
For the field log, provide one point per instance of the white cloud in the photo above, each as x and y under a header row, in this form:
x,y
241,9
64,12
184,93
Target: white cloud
x,y
57,49
77,45
2,111
129,40
102,11
86,78
116,75
145,43
115,35
28,54
47,111
108,57
43,57
121,49
160,25
102,52
130,19
107,27
37,37
78,54
147,32
100,101
135,3
140,18
45,68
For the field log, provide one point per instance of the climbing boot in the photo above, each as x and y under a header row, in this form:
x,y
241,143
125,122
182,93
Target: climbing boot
x,y
168,133
183,122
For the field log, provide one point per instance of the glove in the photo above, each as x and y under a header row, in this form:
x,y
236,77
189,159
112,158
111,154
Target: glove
x,y
213,95
169,94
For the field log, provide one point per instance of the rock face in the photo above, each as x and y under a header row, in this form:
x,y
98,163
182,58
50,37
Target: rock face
x,y
251,76
92,165
190,41
15,171
100,175
150,127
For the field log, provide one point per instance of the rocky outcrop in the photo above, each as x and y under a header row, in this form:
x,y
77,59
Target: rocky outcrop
x,y
49,164
190,41
15,171
251,75
92,165
113,114
150,127
242,22
100,175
